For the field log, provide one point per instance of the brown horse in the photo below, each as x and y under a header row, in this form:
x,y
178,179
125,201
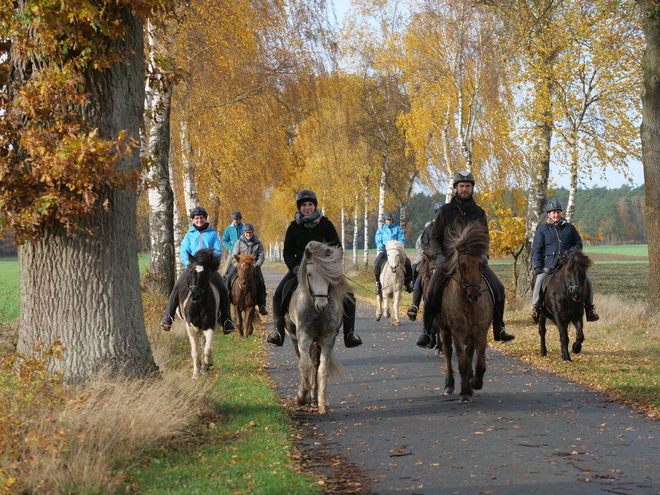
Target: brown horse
x,y
425,269
243,293
466,313
563,301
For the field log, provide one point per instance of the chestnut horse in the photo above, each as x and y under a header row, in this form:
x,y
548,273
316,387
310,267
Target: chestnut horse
x,y
243,293
466,312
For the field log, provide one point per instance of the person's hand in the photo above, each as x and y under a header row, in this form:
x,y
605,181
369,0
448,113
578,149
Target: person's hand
x,y
538,270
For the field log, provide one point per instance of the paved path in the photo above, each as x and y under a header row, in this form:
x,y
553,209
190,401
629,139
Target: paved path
x,y
527,431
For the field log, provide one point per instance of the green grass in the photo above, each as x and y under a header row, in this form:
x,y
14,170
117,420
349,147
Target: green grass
x,y
623,250
9,289
246,448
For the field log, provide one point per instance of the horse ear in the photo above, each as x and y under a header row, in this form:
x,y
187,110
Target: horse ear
x,y
308,253
191,258
237,257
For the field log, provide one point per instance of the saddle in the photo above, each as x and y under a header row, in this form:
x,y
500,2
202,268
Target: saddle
x,y
287,292
544,284
229,280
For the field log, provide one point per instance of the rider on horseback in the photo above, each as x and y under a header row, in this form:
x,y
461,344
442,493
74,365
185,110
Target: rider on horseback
x,y
462,207
390,231
249,243
552,240
423,246
309,224
201,235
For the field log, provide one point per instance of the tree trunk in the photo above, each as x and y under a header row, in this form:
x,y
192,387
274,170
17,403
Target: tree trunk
x,y
191,198
85,289
650,134
366,228
161,197
355,231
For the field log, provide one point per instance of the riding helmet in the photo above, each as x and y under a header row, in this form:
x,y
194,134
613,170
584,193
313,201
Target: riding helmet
x,y
236,215
437,206
248,227
306,195
463,177
198,210
388,216
552,206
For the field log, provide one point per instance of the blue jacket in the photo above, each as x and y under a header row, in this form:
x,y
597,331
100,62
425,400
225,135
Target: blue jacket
x,y
194,240
550,240
387,233
231,235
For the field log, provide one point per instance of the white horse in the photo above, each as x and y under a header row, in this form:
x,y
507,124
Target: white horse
x,y
314,318
392,278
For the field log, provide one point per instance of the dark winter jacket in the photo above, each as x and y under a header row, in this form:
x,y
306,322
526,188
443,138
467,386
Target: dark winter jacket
x,y
550,240
298,236
468,211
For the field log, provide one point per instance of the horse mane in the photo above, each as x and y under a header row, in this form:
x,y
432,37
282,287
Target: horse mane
x,y
579,260
328,262
472,238
248,258
207,258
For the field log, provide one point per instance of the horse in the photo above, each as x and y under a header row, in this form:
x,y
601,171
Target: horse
x,y
562,301
466,314
314,318
199,304
243,293
391,279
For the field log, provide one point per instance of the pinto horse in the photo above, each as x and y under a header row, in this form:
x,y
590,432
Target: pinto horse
x,y
199,304
466,313
243,293
314,318
562,301
392,277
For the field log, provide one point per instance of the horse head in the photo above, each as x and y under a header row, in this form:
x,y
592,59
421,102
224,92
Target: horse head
x,y
321,274
468,256
202,265
395,254
575,269
244,269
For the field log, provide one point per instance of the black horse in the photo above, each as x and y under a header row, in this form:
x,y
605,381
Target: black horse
x,y
563,295
199,303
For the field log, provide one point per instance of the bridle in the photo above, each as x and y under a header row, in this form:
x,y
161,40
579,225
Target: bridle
x,y
398,259
467,286
311,293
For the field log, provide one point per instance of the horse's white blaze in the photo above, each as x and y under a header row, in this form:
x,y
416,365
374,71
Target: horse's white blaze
x,y
199,269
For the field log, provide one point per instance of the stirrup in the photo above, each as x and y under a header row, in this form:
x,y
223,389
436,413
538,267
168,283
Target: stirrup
x,y
275,338
228,327
412,312
534,316
351,339
166,323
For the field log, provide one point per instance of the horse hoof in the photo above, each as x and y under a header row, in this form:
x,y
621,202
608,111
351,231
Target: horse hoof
x,y
396,323
577,347
466,399
378,317
449,391
476,384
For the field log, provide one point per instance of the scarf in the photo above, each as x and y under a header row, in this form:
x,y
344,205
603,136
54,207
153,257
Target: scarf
x,y
310,221
202,228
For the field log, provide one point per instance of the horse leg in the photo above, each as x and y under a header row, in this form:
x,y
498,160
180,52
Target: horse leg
x,y
193,337
464,370
249,320
563,338
477,381
305,367
207,360
447,352
386,304
395,307
322,377
542,332
315,357
579,337
379,306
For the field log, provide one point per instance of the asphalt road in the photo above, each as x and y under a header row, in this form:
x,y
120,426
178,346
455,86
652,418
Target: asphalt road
x,y
527,431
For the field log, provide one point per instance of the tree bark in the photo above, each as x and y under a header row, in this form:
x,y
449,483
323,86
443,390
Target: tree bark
x,y
85,289
650,135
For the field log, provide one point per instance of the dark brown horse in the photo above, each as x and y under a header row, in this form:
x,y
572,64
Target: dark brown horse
x,y
467,308
563,301
243,293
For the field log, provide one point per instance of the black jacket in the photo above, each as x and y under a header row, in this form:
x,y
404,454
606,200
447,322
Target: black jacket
x,y
456,210
298,236
550,240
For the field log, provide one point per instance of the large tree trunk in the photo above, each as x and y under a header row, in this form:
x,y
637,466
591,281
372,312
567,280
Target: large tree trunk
x,y
85,289
161,197
650,133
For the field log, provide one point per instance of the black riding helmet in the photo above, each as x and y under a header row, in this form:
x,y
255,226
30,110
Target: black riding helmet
x,y
463,177
388,216
306,195
198,210
552,206
236,215
248,227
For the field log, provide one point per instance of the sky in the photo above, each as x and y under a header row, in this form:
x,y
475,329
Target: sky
x,y
609,178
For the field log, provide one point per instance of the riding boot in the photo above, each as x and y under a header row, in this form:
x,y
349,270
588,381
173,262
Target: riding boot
x,y
351,339
499,332
416,299
276,337
534,315
590,310
426,338
379,289
172,305
409,279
